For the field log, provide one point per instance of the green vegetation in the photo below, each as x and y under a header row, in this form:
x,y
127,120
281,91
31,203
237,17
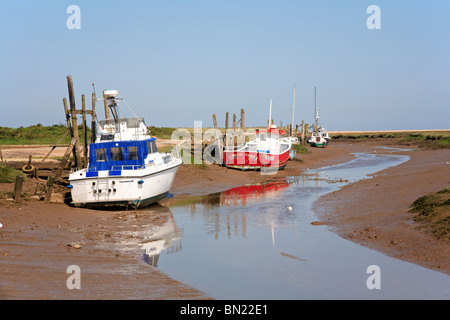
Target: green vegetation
x,y
36,134
431,140
434,213
423,139
300,149
9,174
161,132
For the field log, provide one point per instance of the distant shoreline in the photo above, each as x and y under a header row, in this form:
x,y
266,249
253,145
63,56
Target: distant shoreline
x,y
387,131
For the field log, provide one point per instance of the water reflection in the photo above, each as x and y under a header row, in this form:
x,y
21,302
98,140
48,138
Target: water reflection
x,y
157,238
245,243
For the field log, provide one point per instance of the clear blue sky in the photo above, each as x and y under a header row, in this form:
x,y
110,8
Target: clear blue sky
x,y
176,62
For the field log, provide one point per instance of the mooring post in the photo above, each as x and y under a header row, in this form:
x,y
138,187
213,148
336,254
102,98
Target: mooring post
x,y
18,188
49,188
226,121
74,122
214,121
234,130
69,124
93,133
242,127
83,111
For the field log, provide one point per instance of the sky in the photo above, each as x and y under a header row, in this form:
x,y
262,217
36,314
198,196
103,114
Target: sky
x,y
176,62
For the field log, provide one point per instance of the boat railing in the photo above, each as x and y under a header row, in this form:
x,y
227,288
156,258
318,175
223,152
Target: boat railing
x,y
240,148
175,152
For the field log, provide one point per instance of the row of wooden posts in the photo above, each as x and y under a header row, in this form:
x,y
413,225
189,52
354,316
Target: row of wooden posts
x,y
80,153
239,138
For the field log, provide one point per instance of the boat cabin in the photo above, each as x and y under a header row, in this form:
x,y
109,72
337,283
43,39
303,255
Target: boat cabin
x,y
118,155
268,140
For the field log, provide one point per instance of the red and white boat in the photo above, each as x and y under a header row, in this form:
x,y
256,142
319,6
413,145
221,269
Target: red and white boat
x,y
269,150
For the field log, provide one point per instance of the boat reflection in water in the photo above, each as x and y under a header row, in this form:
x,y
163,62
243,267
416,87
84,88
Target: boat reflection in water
x,y
240,195
166,237
229,213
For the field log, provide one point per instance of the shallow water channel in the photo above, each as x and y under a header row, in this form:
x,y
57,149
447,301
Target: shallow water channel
x,y
246,243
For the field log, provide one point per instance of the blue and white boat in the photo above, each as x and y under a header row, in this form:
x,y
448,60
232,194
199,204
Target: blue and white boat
x,y
125,167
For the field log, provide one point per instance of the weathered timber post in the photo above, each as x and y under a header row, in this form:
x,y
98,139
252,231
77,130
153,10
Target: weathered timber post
x,y
74,122
214,121
225,138
94,115
83,111
234,129
242,135
69,124
48,195
18,188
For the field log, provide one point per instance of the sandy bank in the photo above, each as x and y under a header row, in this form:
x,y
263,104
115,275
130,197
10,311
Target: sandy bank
x,y
376,212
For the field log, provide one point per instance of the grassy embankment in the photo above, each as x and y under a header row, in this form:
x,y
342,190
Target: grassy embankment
x,y
424,139
433,213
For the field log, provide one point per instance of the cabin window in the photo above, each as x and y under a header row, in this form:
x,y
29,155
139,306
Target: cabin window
x,y
262,137
117,154
100,155
133,153
151,147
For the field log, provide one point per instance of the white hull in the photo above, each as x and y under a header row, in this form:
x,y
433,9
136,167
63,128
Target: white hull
x,y
137,188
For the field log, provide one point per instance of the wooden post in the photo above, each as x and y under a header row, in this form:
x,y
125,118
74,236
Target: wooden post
x,y
18,188
226,129
214,121
74,122
48,195
242,135
94,115
234,129
293,107
66,109
304,132
83,111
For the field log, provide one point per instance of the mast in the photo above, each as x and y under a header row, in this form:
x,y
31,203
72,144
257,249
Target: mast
x,y
315,108
293,107
270,113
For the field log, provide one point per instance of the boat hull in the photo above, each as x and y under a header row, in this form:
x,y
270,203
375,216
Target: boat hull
x,y
246,160
136,188
318,142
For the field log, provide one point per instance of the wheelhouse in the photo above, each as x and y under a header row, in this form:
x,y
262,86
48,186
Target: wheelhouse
x,y
114,154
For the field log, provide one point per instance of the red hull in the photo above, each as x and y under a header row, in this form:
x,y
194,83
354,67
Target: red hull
x,y
254,160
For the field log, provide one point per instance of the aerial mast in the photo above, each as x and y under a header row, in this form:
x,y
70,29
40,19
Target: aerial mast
x,y
293,107
270,113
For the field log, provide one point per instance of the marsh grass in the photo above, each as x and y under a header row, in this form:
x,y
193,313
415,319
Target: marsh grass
x,y
9,174
433,212
424,139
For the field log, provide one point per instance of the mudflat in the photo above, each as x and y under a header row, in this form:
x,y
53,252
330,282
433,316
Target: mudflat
x,y
39,241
